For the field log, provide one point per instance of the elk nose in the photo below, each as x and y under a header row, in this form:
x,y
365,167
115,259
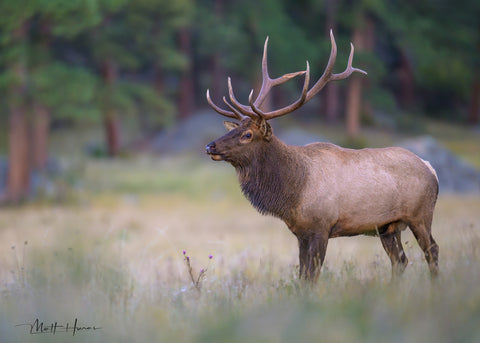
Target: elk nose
x,y
210,148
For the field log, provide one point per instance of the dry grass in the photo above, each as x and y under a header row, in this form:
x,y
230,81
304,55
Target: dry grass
x,y
113,258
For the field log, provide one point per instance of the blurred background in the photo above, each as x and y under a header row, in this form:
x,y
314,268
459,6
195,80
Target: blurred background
x,y
104,181
88,79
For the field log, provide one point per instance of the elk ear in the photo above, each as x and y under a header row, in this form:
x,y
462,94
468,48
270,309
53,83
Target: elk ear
x,y
267,130
230,125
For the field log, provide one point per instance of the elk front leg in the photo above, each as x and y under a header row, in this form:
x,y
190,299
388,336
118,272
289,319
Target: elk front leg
x,y
313,247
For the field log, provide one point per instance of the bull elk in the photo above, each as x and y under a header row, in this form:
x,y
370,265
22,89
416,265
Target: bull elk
x,y
321,190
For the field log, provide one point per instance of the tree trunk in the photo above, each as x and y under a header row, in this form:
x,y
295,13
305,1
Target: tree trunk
x,y
185,101
218,78
158,79
475,102
332,102
112,130
363,40
41,129
354,93
353,106
41,112
474,110
110,118
218,72
367,44
407,82
18,178
331,94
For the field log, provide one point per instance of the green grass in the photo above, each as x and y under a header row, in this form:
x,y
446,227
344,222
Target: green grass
x,y
113,258
165,176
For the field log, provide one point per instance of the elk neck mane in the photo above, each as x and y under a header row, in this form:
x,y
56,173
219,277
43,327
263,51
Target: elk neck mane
x,y
273,179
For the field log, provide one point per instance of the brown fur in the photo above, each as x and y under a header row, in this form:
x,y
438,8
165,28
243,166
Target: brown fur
x,y
323,191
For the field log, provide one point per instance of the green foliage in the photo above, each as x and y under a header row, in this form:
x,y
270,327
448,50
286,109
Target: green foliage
x,y
244,27
66,43
381,99
78,90
443,42
102,27
69,18
13,17
134,98
153,25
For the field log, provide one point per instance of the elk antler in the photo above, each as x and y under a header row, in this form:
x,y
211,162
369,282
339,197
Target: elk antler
x,y
327,74
239,111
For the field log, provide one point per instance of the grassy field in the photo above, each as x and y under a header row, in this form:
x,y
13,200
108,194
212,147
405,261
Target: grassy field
x,y
112,257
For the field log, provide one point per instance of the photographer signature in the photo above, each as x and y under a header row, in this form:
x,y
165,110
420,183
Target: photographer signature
x,y
38,327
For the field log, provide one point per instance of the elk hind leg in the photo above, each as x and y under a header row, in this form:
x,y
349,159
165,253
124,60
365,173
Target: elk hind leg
x,y
423,235
391,241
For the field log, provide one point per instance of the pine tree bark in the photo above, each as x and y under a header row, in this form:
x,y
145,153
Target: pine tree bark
x,y
354,93
218,78
110,118
331,94
41,112
364,40
112,129
218,72
185,100
474,110
40,134
353,106
407,82
367,44
18,177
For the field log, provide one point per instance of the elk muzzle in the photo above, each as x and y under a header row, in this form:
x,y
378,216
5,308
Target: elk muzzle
x,y
210,149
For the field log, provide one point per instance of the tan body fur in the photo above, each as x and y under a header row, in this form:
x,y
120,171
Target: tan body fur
x,y
358,191
323,191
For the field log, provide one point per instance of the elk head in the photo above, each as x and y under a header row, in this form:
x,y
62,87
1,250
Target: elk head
x,y
254,129
248,133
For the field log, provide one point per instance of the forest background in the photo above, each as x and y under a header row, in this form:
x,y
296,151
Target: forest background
x,y
146,64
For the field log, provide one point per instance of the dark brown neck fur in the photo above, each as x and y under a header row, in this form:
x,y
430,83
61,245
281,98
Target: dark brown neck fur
x,y
273,178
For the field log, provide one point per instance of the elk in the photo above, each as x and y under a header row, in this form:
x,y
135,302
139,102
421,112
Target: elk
x,y
321,190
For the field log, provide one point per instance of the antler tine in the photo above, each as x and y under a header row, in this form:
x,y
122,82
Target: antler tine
x,y
255,108
239,116
265,76
223,112
245,110
286,109
267,82
328,70
295,105
327,74
349,70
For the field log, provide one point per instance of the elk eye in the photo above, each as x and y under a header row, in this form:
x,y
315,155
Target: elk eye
x,y
247,136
